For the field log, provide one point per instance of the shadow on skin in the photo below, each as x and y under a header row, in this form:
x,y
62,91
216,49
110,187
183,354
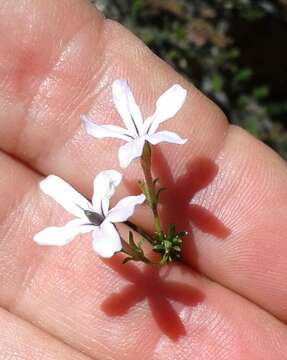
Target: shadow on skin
x,y
176,207
151,286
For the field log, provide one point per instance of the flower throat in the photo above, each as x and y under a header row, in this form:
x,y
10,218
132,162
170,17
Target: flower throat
x,y
94,217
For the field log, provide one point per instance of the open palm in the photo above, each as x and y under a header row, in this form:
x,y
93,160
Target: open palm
x,y
58,59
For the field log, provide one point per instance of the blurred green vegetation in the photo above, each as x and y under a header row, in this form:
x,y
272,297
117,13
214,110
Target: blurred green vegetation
x,y
233,50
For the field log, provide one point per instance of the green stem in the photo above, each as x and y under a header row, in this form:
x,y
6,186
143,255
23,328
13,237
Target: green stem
x,y
146,166
126,249
140,231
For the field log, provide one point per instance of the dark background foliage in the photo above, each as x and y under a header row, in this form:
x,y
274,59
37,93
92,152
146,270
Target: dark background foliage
x,y
235,51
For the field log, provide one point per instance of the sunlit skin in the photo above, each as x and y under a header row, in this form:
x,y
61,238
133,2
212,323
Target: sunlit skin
x,y
58,60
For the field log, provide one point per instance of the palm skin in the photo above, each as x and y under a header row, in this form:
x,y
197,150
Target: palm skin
x,y
58,60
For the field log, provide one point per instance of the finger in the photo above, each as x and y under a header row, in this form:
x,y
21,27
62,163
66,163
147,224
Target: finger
x,y
235,210
76,77
80,82
72,294
21,340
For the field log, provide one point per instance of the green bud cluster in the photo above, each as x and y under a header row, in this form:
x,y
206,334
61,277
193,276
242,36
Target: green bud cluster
x,y
169,245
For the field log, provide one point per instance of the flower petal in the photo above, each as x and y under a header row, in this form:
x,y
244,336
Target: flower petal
x,y
105,184
106,240
130,151
127,107
167,105
103,131
124,208
59,236
65,195
165,136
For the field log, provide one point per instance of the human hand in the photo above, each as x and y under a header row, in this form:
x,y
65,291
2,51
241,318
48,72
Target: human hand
x,y
58,60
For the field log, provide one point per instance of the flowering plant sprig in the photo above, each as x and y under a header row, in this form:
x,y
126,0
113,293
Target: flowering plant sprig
x,y
95,216
140,137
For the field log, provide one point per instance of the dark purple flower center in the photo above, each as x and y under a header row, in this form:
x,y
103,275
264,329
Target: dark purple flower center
x,y
94,218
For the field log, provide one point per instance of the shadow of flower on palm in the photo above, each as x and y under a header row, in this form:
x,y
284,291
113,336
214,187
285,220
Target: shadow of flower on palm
x,y
176,203
151,285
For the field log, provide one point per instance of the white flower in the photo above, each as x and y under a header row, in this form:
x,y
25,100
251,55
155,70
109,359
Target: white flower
x,y
138,131
95,216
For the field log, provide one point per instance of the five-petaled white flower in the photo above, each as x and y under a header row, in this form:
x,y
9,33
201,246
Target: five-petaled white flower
x,y
138,131
95,216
